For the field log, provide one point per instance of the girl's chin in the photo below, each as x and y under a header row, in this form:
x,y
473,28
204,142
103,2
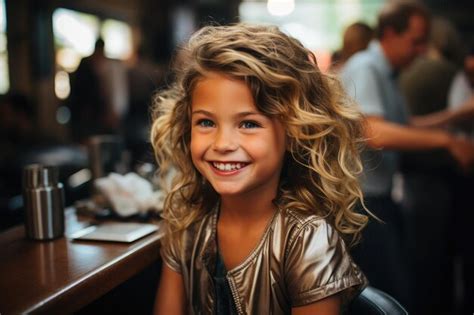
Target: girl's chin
x,y
228,191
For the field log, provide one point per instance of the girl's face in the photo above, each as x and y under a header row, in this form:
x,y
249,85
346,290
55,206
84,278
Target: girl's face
x,y
235,147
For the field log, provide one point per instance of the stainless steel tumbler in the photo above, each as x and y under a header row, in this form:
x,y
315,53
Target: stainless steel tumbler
x,y
43,197
105,154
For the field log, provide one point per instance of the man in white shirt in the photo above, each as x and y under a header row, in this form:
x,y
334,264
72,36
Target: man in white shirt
x,y
370,78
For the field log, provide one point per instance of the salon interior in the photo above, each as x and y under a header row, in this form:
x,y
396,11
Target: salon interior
x,y
77,81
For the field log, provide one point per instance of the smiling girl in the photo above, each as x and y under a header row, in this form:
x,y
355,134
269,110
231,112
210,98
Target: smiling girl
x,y
265,149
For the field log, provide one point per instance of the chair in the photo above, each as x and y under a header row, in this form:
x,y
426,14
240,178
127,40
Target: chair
x,y
375,302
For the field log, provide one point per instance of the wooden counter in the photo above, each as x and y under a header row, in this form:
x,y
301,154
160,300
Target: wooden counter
x,y
62,275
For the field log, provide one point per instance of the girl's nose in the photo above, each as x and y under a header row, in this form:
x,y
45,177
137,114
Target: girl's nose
x,y
225,141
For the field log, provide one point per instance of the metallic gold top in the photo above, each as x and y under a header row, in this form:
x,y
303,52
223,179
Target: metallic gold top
x,y
299,260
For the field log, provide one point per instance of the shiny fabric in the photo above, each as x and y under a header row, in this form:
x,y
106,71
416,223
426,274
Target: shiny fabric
x,y
299,260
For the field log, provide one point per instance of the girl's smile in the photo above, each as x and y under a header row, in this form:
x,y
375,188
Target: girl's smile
x,y
228,168
234,146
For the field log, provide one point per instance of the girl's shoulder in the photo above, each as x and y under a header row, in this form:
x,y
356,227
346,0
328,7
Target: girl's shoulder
x,y
316,261
303,224
300,218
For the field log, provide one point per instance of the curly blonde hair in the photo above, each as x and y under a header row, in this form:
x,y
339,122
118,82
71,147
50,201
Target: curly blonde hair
x,y
323,129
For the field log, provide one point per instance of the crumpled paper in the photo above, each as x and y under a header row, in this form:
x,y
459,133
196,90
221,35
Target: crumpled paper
x,y
129,194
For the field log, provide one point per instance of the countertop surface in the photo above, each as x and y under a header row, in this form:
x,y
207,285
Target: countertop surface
x,y
63,275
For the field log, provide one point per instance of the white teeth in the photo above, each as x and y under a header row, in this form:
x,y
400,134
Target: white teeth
x,y
227,166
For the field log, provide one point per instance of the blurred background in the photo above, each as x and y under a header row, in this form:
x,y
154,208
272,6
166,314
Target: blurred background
x,y
77,76
70,70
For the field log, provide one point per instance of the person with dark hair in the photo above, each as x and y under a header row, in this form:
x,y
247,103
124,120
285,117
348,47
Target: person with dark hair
x,y
356,37
99,95
370,77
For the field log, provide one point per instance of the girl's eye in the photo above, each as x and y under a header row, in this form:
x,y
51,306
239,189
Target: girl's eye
x,y
248,124
205,123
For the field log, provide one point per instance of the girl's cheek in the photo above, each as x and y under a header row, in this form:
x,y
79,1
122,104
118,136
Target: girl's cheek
x,y
193,150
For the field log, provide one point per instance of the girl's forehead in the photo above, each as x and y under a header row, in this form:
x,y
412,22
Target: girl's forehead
x,y
217,90
216,76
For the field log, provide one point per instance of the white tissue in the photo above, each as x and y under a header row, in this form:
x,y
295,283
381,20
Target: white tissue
x,y
129,194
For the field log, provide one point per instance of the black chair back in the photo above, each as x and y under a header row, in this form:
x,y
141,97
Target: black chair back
x,y
372,301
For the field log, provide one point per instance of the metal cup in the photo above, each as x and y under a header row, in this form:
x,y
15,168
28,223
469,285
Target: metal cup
x,y
43,197
105,154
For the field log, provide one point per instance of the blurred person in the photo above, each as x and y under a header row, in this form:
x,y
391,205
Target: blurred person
x,y
357,37
427,199
462,90
426,83
370,77
462,86
99,95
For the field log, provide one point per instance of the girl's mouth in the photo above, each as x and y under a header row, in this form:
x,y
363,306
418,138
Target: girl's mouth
x,y
228,166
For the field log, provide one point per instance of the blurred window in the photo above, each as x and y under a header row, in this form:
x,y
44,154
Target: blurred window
x,y
75,34
118,39
318,24
4,77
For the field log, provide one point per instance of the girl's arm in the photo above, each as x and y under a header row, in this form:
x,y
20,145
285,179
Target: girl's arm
x,y
170,298
327,306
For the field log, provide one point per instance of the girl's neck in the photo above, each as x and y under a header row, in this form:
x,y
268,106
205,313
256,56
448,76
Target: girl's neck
x,y
245,210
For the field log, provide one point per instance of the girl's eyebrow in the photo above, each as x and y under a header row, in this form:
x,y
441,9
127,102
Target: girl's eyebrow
x,y
244,114
201,111
241,114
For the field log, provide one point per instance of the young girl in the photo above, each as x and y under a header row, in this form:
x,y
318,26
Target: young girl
x,y
265,152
